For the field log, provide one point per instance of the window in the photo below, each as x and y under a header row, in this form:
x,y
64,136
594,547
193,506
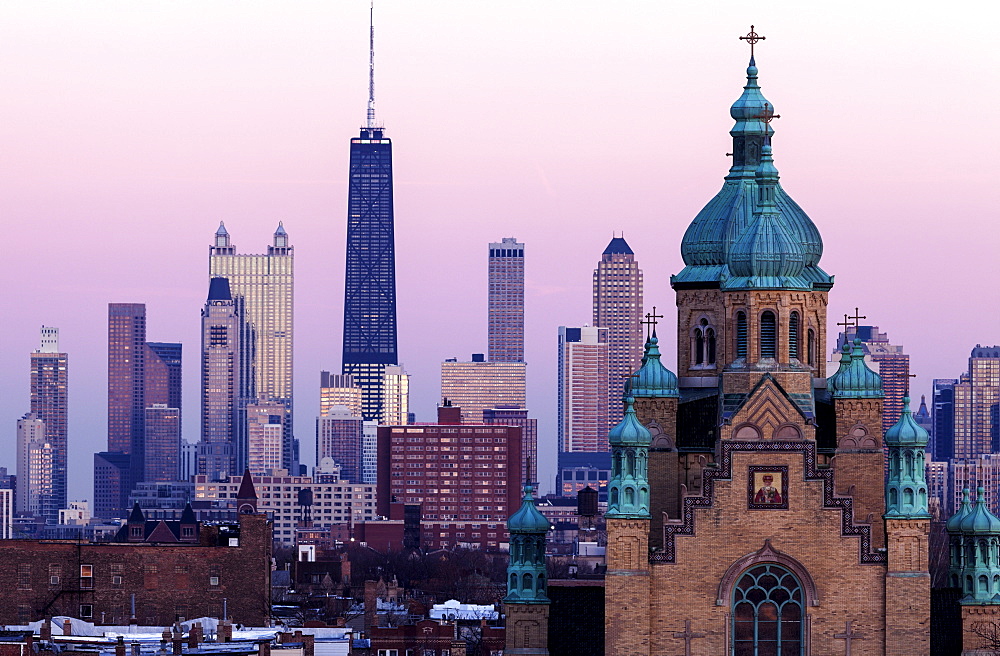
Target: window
x,y
213,580
767,612
86,577
810,347
768,338
24,577
86,610
116,581
741,335
793,336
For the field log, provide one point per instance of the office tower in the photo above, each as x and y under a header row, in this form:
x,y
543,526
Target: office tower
x,y
478,385
460,505
265,436
982,470
893,366
395,396
49,403
529,434
618,307
340,435
369,451
35,468
976,399
370,279
223,410
506,301
6,513
583,381
262,290
112,483
338,390
162,451
943,417
162,376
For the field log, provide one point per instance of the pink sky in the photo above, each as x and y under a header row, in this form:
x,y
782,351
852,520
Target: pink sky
x,y
129,130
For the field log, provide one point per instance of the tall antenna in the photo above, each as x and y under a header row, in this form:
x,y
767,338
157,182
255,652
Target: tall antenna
x,y
371,66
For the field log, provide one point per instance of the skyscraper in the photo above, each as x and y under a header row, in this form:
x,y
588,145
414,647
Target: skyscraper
x,y
338,390
223,409
618,307
395,396
161,456
162,375
943,417
506,301
478,385
262,290
35,467
976,399
265,430
126,381
370,280
893,366
583,384
49,403
340,435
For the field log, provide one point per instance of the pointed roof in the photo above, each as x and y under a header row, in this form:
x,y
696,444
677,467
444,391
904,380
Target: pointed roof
x,y
218,289
187,517
954,524
280,230
653,380
854,380
906,431
618,245
629,431
528,519
161,533
979,520
247,490
222,229
136,516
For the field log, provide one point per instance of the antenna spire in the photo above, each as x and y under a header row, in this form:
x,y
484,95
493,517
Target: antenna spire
x,y
371,66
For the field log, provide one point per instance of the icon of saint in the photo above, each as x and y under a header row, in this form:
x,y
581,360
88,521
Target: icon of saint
x,y
767,493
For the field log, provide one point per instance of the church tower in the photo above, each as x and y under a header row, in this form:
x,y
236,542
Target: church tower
x,y
527,603
974,545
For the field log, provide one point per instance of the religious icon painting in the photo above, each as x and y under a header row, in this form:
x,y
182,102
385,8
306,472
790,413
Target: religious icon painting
x,y
767,487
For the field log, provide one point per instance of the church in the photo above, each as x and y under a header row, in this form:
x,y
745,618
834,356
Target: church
x,y
750,509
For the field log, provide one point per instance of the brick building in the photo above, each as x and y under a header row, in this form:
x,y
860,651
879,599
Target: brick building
x,y
95,581
465,478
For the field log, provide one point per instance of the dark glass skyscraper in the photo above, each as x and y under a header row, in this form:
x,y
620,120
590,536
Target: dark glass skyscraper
x,y
370,280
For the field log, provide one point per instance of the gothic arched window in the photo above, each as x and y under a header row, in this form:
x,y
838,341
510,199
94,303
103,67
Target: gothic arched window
x,y
810,347
768,335
741,334
703,345
710,345
767,612
699,346
793,336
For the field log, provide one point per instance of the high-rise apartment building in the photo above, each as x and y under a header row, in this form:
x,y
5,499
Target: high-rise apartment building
x,y
893,367
261,286
340,435
35,468
479,385
338,390
223,409
126,382
506,301
943,417
49,403
618,308
529,434
583,374
265,433
370,280
395,396
162,375
976,402
162,451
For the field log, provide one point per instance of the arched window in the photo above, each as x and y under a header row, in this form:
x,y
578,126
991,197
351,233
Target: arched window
x,y
767,612
768,336
699,346
741,335
793,336
810,347
710,345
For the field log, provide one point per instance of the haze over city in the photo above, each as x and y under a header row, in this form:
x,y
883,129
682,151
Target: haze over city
x,y
130,131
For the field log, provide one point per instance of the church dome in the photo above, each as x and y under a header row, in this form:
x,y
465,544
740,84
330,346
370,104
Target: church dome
x,y
854,380
629,431
979,520
653,380
954,524
528,519
906,432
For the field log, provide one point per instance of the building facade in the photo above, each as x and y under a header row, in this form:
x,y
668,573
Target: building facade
x,y
618,307
395,395
335,389
262,286
893,367
50,404
162,452
340,436
976,399
583,378
126,389
265,436
35,468
943,418
478,385
223,407
505,305
503,416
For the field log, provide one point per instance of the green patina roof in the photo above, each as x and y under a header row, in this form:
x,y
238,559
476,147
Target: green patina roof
x,y
979,520
653,380
528,519
629,431
906,431
954,524
854,380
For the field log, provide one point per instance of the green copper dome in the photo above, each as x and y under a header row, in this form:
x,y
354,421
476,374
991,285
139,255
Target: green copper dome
x,y
710,238
528,519
629,432
906,432
954,524
653,380
854,380
979,520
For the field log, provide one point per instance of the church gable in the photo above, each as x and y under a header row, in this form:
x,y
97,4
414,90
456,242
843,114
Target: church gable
x,y
767,412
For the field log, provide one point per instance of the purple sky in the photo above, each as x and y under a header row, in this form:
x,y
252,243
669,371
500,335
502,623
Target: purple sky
x,y
128,130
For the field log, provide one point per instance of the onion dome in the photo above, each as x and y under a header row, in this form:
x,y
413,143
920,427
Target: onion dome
x,y
979,520
629,431
906,431
528,519
653,380
954,524
854,380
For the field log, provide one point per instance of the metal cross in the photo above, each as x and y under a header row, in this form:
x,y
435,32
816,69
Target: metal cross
x,y
650,321
752,38
847,636
688,637
856,317
767,114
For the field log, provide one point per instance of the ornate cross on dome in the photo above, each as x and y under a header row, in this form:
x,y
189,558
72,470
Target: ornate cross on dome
x,y
688,636
767,114
752,38
848,636
857,317
650,322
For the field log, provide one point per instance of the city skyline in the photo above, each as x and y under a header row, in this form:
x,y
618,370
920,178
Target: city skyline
x,y
133,155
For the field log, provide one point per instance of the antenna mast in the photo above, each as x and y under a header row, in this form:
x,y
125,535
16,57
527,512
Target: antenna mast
x,y
371,66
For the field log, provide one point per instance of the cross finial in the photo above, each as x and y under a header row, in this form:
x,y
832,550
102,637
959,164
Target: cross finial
x,y
650,322
856,317
752,38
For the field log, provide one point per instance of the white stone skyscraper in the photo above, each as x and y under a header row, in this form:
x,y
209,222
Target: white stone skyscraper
x,y
506,301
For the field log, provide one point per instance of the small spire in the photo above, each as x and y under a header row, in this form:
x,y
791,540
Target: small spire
x,y
371,66
222,229
752,38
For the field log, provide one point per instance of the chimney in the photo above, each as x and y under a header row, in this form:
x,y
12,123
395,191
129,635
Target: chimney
x,y
264,648
120,646
178,645
309,645
67,627
449,415
45,632
225,631
371,606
